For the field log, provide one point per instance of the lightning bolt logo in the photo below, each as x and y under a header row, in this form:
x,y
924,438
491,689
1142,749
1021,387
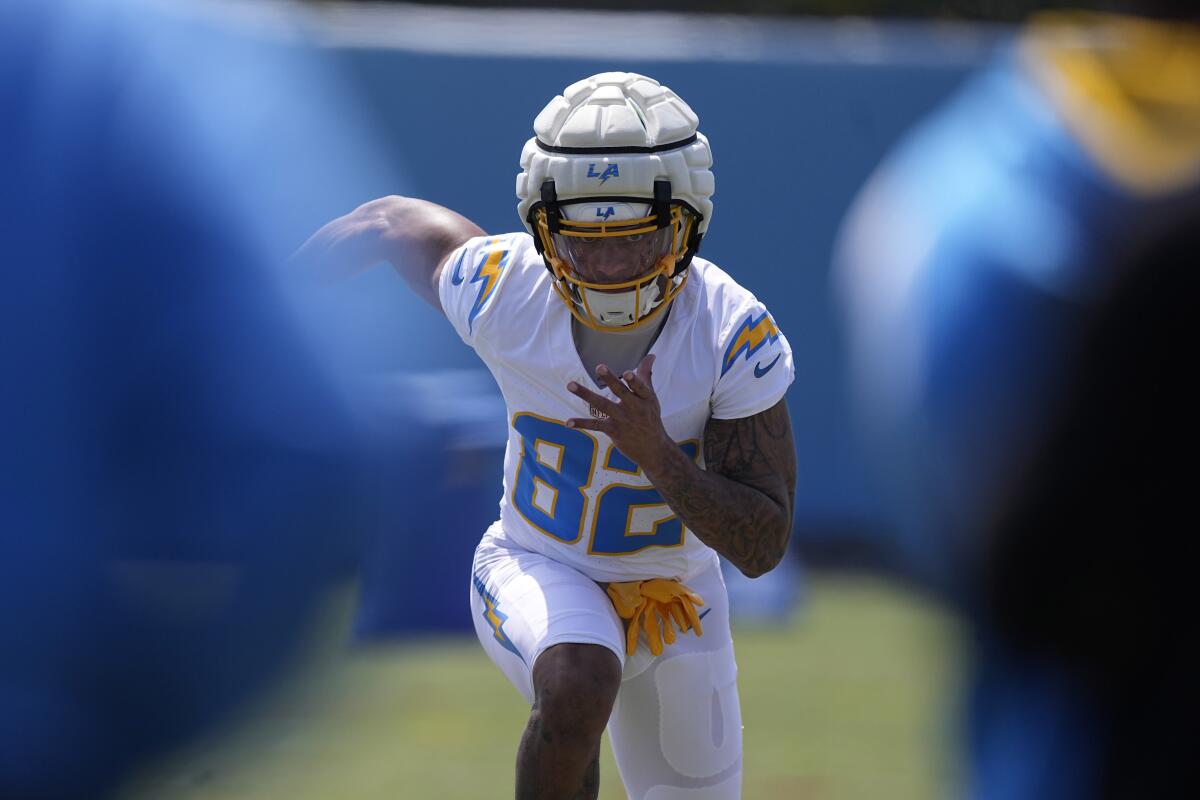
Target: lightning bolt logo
x,y
490,268
494,617
751,336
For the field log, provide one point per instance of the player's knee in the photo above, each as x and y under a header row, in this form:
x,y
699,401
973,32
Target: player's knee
x,y
575,687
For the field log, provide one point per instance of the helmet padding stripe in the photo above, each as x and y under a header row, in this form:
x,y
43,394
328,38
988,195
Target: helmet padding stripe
x,y
654,148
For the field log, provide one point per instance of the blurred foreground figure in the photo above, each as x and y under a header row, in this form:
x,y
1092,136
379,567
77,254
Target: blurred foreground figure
x,y
179,472
1018,282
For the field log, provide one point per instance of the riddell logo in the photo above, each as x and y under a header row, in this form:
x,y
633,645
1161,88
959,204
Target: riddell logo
x,y
610,171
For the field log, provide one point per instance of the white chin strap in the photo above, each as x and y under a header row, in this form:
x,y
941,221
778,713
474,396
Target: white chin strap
x,y
617,309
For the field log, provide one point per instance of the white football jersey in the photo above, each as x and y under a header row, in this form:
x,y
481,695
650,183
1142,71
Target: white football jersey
x,y
568,493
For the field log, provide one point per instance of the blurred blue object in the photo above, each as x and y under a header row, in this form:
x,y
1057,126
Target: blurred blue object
x,y
964,272
181,476
975,272
956,266
446,429
769,599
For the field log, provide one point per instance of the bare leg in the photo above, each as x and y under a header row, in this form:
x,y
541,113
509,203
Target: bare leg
x,y
575,686
591,779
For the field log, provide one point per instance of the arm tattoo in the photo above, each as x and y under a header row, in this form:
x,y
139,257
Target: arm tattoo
x,y
742,505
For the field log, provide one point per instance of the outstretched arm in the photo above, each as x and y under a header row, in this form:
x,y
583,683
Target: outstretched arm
x,y
413,235
741,506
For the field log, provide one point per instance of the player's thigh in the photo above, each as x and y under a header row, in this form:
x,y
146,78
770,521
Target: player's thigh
x,y
524,603
676,729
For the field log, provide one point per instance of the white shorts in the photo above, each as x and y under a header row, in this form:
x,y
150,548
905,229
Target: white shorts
x,y
676,727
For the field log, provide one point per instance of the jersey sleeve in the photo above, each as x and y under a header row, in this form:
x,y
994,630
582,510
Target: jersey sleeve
x,y
755,363
472,280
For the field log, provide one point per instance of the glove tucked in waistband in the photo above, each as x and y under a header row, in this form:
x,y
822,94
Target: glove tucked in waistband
x,y
656,606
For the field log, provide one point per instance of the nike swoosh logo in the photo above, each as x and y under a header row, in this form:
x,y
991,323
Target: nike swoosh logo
x,y
705,614
456,277
760,370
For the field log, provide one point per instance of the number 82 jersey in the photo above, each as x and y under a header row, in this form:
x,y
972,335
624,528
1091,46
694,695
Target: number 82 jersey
x,y
569,493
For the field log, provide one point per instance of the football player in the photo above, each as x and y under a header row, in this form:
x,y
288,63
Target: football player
x,y
648,433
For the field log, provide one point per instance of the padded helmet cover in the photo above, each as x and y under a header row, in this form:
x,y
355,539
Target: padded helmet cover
x,y
613,135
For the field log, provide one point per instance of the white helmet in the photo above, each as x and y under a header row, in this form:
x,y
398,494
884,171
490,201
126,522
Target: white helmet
x,y
616,189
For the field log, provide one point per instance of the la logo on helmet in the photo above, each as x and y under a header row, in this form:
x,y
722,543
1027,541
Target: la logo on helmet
x,y
610,171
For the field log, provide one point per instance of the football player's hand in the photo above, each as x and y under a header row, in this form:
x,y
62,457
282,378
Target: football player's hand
x,y
634,420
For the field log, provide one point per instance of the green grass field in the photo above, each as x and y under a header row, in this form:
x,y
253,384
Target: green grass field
x,y
850,700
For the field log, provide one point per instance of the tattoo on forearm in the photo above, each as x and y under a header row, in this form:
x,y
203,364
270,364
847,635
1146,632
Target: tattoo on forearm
x,y
742,505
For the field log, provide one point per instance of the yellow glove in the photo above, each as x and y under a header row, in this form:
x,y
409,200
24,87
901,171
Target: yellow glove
x,y
656,606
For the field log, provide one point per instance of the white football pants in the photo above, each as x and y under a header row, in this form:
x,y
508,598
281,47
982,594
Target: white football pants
x,y
676,727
